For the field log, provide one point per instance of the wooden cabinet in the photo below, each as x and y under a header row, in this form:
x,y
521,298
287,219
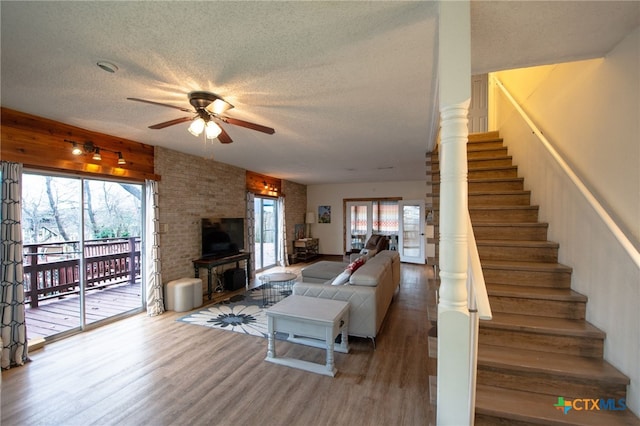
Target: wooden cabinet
x,y
305,250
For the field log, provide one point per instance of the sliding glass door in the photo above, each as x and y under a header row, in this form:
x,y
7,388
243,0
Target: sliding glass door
x,y
82,240
52,247
266,233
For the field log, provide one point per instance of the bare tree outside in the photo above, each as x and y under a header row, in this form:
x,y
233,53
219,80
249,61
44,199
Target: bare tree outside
x,y
51,209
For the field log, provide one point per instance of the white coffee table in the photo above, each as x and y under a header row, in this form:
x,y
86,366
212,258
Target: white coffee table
x,y
310,321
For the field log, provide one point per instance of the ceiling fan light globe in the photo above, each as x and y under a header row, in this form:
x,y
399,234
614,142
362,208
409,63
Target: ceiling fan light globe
x,y
219,106
212,130
196,127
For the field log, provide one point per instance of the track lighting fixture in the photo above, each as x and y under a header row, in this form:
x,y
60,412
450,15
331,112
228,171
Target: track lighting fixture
x,y
89,148
76,149
96,155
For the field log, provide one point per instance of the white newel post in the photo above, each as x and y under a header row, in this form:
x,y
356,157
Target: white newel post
x,y
454,325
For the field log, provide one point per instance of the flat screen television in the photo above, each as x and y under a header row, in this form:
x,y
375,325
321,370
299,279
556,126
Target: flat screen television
x,y
222,237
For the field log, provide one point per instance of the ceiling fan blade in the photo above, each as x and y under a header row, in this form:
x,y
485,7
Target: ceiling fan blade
x,y
160,104
248,125
170,123
224,137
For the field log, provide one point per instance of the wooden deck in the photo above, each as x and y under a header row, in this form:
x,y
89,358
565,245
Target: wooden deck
x,y
56,316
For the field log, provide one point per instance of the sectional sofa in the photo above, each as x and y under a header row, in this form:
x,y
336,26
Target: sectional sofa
x,y
369,289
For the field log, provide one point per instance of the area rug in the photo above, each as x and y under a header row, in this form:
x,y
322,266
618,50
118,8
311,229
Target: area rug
x,y
241,313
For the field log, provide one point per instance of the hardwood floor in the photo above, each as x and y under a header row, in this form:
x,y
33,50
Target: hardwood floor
x,y
158,371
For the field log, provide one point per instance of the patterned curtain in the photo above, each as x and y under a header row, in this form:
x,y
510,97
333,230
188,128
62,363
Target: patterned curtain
x,y
12,324
153,276
251,232
385,217
282,258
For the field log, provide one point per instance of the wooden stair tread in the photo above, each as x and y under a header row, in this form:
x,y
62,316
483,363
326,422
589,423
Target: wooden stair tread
x,y
518,243
436,160
501,192
473,148
511,225
495,208
492,135
544,325
538,408
550,363
525,266
526,292
476,168
496,179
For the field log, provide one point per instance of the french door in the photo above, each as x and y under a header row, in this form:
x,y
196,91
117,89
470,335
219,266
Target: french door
x,y
82,240
266,232
411,239
367,217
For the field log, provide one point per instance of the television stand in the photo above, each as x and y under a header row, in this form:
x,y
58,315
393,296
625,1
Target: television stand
x,y
211,263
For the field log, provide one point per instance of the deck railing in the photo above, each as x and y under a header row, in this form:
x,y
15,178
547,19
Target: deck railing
x,y
53,269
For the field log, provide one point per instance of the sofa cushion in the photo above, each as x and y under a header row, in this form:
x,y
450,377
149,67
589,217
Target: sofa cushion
x,y
322,271
369,274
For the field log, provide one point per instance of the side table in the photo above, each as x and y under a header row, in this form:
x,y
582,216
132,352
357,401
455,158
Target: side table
x,y
305,249
275,286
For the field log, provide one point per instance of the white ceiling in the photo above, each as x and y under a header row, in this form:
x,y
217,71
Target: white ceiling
x,y
348,86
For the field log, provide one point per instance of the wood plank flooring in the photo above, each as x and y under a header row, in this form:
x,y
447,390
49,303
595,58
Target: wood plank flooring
x,y
157,371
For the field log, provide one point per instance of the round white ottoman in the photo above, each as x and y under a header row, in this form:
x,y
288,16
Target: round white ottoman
x,y
183,294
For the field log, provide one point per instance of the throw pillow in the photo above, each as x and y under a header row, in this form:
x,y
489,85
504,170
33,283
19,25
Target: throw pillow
x,y
343,278
353,266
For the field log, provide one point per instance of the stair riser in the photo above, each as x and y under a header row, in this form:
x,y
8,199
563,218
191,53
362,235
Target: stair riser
x,y
544,308
483,174
476,163
528,278
572,345
502,215
533,233
496,143
527,254
477,200
488,186
510,233
482,419
548,383
487,153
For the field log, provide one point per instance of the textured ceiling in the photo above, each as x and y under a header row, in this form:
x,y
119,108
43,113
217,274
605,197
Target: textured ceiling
x,y
348,86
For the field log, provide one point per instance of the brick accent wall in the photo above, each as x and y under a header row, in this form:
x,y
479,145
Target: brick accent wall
x,y
192,188
295,207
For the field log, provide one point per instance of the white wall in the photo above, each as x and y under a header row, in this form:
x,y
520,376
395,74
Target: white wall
x,y
330,235
589,111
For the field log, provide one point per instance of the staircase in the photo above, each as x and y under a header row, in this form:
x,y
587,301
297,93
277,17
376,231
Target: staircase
x,y
538,347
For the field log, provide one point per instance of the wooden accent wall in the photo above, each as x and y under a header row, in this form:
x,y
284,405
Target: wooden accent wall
x,y
256,184
40,143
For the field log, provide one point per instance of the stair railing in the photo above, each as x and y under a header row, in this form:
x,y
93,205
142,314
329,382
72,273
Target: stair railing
x,y
617,232
479,308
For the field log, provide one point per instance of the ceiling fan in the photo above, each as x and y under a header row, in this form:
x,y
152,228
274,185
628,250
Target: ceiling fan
x,y
209,107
